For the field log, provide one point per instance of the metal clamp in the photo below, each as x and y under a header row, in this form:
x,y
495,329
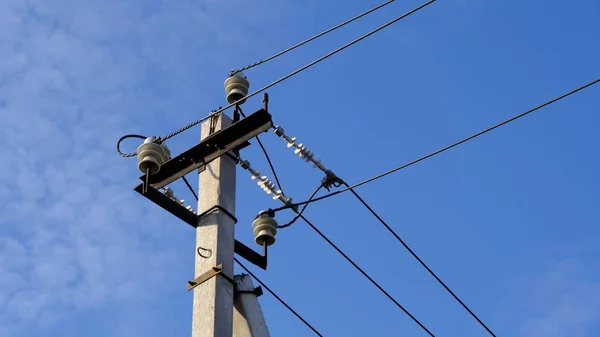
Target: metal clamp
x,y
214,208
214,271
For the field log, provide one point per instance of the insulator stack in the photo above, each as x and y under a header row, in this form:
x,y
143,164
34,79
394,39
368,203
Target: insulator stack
x,y
300,149
169,193
265,183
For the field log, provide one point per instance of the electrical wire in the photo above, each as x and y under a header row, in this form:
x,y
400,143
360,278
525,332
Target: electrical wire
x,y
189,186
191,125
302,210
390,297
127,155
233,72
264,150
299,215
301,69
419,259
446,148
278,298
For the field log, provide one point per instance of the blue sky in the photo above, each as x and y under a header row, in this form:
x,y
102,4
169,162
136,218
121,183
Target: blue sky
x,y
509,221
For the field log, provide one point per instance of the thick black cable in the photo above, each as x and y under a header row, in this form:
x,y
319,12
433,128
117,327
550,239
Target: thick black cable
x,y
127,155
329,195
191,125
366,275
189,186
418,259
278,298
301,69
301,210
233,72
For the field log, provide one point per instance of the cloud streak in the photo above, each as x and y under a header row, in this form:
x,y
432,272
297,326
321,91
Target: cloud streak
x,y
565,302
73,76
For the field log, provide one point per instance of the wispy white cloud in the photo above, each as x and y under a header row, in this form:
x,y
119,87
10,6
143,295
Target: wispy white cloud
x,y
73,76
564,302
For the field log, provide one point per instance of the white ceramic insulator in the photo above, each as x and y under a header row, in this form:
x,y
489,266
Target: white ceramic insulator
x,y
300,149
151,155
264,229
236,88
265,183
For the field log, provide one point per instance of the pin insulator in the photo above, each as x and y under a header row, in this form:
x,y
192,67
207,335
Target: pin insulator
x,y
236,88
151,155
264,228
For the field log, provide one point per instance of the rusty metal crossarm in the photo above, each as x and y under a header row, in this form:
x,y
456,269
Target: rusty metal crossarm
x,y
211,148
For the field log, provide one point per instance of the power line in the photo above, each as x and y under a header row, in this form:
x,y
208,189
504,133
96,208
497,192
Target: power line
x,y
419,259
233,72
189,186
126,155
265,150
301,69
390,297
303,208
442,149
278,298
334,246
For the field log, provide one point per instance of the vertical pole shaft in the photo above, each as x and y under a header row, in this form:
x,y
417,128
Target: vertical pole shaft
x,y
213,300
248,320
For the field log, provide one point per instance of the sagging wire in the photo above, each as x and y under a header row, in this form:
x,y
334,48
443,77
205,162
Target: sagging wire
x,y
299,214
252,65
127,155
299,70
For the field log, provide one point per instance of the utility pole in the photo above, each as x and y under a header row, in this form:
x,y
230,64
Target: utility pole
x,y
248,320
213,299
215,288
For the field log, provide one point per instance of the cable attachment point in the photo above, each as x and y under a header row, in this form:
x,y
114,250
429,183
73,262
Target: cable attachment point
x,y
236,88
300,149
330,180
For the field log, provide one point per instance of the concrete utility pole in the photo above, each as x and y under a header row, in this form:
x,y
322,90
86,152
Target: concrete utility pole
x,y
213,299
248,320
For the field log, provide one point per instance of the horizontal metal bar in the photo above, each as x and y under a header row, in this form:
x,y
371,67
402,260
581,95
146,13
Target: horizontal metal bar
x,y
210,148
214,271
250,255
168,204
207,275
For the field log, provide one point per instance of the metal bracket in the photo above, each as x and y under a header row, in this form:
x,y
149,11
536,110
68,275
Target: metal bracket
x,y
214,208
250,255
211,147
214,271
256,291
168,204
